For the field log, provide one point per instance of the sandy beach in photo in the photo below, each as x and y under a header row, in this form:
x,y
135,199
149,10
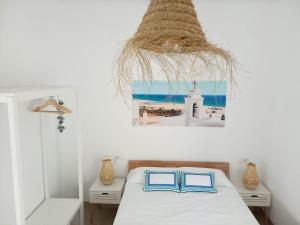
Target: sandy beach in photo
x,y
176,121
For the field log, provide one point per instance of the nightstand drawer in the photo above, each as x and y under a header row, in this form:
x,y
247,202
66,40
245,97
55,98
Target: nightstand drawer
x,y
105,197
106,194
257,199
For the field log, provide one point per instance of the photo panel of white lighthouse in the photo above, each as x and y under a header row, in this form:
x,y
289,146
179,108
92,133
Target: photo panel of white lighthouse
x,y
179,103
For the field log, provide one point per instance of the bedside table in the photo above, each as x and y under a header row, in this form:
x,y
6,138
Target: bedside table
x,y
105,194
261,197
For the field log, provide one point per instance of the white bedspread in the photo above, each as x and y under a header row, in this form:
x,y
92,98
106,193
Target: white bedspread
x,y
169,208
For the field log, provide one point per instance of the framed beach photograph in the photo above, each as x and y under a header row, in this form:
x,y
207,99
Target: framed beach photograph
x,y
179,103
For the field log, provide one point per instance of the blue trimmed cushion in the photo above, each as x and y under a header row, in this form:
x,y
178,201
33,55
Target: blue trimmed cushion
x,y
198,182
162,181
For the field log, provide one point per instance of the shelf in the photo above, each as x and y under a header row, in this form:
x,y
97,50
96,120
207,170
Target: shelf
x,y
55,211
24,93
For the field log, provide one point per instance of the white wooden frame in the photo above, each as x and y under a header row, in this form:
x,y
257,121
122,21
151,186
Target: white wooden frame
x,y
11,97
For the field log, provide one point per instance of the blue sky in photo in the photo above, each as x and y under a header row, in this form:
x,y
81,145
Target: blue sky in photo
x,y
178,87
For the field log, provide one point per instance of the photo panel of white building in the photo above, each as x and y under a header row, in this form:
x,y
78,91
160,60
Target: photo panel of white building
x,y
179,103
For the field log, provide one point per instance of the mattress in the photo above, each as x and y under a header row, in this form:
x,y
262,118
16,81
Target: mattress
x,y
169,208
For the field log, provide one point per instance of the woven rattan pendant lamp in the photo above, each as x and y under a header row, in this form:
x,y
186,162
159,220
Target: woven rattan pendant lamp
x,y
170,37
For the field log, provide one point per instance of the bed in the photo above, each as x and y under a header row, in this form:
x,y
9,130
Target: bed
x,y
169,208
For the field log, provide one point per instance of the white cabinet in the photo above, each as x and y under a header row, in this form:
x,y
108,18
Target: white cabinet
x,y
260,197
107,194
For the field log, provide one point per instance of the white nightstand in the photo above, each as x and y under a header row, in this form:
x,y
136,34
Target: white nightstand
x,y
261,197
105,194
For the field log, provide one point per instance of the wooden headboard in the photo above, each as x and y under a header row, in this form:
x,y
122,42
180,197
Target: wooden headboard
x,y
224,166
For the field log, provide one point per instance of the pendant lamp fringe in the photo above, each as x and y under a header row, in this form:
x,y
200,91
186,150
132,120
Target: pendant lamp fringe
x,y
170,37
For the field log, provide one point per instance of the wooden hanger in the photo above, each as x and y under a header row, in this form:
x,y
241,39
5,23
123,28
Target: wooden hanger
x,y
51,102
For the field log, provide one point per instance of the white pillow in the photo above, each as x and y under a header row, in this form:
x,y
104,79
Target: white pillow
x,y
198,182
162,180
137,175
220,178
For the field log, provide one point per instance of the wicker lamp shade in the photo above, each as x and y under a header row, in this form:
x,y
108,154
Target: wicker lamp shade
x,y
171,37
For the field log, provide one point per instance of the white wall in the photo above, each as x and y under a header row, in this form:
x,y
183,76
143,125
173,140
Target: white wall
x,y
31,157
281,166
7,215
76,42
60,152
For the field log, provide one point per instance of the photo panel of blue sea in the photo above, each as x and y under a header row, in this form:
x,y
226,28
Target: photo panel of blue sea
x,y
213,92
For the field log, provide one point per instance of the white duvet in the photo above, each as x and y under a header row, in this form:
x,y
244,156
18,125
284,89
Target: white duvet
x,y
170,208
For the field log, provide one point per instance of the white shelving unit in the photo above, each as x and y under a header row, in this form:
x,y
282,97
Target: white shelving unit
x,y
56,210
51,211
